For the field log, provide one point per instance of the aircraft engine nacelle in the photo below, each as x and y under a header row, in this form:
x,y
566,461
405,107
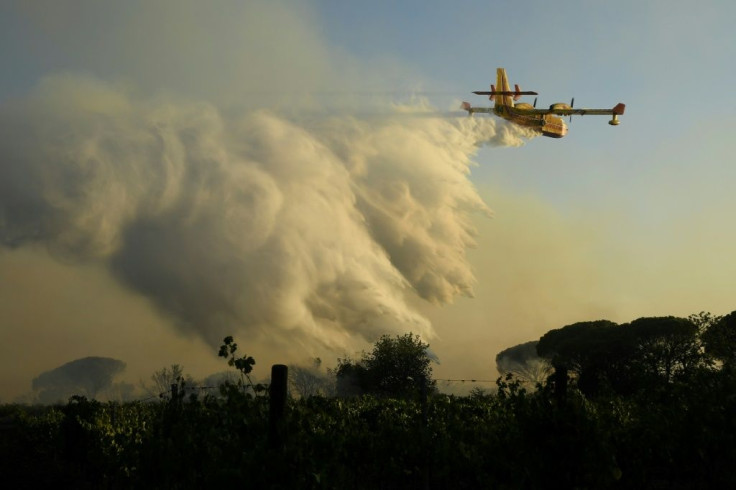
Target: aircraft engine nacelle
x,y
560,106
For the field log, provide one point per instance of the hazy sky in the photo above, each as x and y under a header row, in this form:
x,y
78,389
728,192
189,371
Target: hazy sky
x,y
173,171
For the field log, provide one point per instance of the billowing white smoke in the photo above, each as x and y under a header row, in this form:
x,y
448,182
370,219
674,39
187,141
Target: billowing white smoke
x,y
255,223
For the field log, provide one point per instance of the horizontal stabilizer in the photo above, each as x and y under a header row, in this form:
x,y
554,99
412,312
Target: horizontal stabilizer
x,y
472,110
505,92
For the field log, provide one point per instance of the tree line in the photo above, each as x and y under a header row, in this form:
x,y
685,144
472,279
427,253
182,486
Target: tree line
x,y
646,355
645,404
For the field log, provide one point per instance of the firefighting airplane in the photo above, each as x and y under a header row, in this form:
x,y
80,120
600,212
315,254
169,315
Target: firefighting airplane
x,y
540,120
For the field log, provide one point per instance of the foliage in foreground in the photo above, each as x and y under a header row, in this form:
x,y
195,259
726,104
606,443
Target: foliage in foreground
x,y
650,405
680,437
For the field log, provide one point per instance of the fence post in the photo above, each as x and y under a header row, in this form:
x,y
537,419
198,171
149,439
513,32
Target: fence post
x,y
277,403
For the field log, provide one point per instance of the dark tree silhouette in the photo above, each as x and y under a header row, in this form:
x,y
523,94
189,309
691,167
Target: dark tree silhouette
x,y
665,347
87,377
644,355
596,353
720,340
397,367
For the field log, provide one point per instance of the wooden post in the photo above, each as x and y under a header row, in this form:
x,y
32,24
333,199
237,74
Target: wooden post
x,y
277,403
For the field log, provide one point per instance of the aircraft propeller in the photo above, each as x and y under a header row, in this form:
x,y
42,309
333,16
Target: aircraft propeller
x,y
535,103
572,105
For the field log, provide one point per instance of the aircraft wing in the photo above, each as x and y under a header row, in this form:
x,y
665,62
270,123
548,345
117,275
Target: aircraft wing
x,y
617,110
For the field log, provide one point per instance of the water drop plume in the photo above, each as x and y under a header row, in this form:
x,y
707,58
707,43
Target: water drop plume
x,y
314,231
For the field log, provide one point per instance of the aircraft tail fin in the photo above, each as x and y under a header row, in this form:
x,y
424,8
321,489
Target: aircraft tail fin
x,y
502,85
501,93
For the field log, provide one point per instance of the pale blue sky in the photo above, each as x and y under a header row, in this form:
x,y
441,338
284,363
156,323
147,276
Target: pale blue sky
x,y
669,62
667,170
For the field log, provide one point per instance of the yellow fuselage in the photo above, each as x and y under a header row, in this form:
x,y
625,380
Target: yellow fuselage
x,y
547,124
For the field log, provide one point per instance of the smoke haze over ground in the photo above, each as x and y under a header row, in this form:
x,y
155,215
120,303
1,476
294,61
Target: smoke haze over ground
x,y
171,173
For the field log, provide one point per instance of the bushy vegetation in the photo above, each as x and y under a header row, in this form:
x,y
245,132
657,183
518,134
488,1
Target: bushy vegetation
x,y
671,428
396,367
511,439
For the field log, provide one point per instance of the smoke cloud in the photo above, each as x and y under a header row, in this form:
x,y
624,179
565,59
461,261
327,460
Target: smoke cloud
x,y
257,223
